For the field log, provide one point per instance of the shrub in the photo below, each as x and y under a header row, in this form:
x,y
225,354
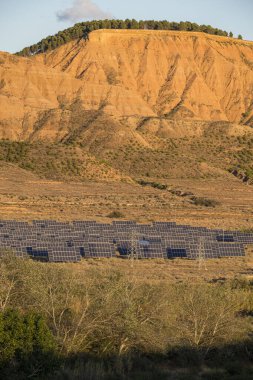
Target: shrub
x,y
104,324
27,346
155,185
116,215
204,202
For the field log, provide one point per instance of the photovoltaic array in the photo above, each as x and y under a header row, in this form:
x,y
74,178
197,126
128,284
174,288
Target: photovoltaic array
x,y
54,241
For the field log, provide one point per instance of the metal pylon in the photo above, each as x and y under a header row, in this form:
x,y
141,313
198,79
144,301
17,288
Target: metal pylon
x,y
134,254
202,254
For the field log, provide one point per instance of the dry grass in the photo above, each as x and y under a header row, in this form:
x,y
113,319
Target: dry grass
x,y
156,271
25,196
197,165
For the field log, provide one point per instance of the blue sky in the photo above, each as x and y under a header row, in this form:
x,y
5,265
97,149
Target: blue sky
x,y
24,22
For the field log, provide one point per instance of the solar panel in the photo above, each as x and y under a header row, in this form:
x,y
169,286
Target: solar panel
x,y
101,249
59,253
225,238
176,252
151,249
124,247
38,253
62,241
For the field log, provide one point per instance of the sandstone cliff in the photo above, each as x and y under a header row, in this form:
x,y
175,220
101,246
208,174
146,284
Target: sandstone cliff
x,y
129,77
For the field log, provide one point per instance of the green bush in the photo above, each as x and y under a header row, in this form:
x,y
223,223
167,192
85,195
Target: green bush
x,y
26,345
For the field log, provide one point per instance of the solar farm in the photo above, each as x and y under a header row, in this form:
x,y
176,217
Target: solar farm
x,y
54,241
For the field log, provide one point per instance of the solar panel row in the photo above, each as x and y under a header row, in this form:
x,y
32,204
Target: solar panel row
x,y
67,242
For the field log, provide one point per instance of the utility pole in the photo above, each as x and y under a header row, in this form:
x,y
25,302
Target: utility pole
x,y
134,247
202,254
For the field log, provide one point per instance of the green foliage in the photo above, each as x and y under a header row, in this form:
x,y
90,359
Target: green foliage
x,y
26,344
13,152
47,160
240,37
71,159
82,30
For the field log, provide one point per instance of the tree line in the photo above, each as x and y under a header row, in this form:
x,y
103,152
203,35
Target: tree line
x,y
82,30
110,326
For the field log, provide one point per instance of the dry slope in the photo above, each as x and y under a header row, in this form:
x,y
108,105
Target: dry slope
x,y
178,74
127,75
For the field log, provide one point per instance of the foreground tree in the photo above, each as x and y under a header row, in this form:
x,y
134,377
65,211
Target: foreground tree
x,y
9,268
206,316
27,347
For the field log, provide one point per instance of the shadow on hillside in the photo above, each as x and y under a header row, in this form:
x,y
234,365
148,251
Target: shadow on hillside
x,y
182,363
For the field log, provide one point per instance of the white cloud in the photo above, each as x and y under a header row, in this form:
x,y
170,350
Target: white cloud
x,y
82,10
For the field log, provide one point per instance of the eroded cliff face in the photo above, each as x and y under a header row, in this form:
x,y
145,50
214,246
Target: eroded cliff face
x,y
28,91
126,75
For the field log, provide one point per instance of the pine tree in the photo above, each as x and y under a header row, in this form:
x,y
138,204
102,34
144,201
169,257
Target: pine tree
x,y
82,30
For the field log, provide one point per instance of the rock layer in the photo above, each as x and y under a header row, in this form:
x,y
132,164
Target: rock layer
x,y
126,74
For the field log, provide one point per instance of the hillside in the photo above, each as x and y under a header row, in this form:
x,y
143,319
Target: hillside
x,y
137,103
83,29
127,125
127,74
172,74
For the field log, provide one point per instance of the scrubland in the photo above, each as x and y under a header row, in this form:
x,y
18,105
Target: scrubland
x,y
97,320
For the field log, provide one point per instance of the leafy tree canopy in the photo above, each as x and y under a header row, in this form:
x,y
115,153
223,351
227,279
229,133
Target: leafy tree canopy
x,y
26,345
82,30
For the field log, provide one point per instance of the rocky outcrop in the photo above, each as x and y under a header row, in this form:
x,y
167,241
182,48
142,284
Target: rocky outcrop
x,y
161,77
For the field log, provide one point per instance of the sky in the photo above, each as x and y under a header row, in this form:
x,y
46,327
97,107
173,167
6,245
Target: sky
x,y
25,22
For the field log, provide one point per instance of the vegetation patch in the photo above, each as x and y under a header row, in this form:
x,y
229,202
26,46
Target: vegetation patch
x,y
155,185
116,215
55,161
27,346
57,321
199,201
82,30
